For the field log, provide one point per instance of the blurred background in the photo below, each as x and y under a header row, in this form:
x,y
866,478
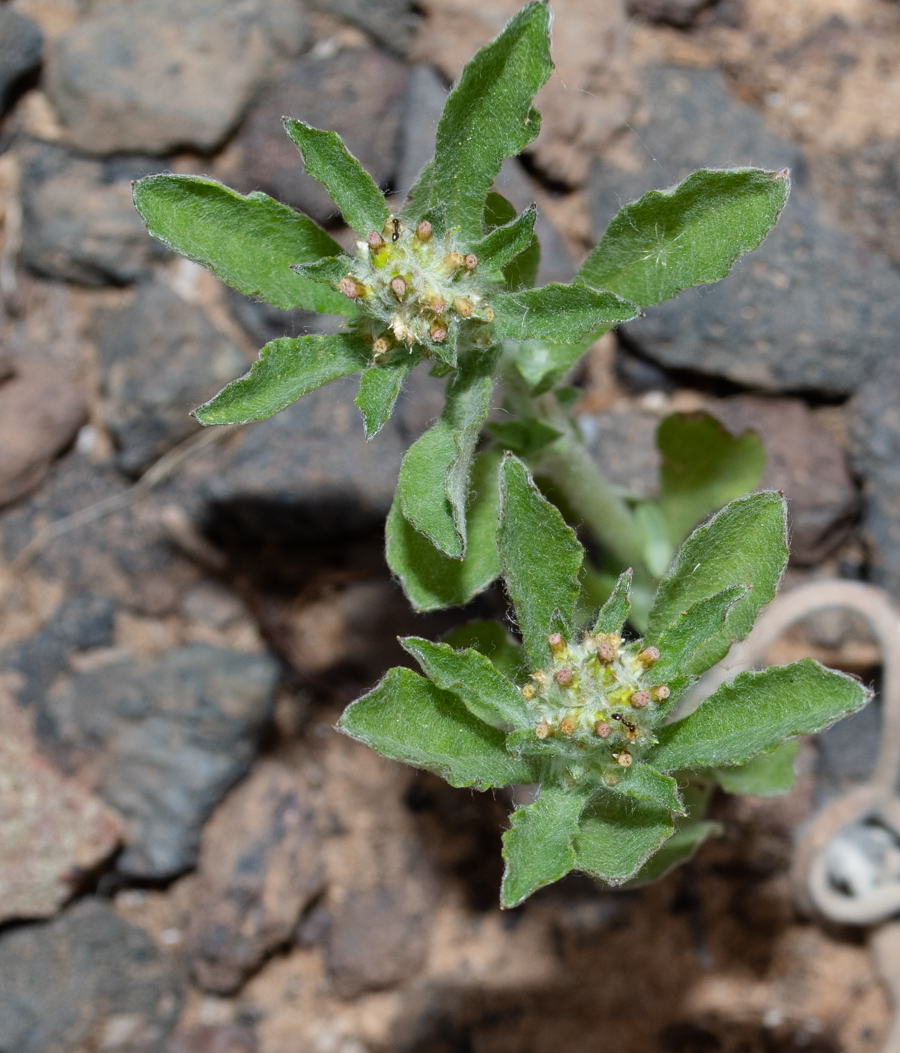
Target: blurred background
x,y
191,860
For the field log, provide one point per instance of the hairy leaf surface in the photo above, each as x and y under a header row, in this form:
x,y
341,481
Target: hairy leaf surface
x,y
616,836
563,314
379,388
768,775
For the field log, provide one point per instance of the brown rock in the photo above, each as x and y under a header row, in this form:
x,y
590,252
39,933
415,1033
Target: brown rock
x,y
40,414
259,867
222,1038
806,462
51,830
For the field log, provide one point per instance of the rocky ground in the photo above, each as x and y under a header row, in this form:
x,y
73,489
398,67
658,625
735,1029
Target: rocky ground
x,y
191,860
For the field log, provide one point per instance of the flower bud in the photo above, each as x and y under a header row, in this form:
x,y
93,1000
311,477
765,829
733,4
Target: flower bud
x,y
624,758
398,287
542,730
375,241
424,231
381,346
557,644
661,693
462,306
602,729
640,699
564,677
453,261
529,691
649,656
471,262
438,333
567,725
351,288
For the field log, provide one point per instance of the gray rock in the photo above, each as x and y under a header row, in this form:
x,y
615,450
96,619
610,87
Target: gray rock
x,y
812,310
167,739
623,443
392,23
874,423
80,224
356,92
213,1038
260,866
806,464
85,981
21,47
263,322
155,75
422,108
159,358
40,414
681,13
120,553
307,473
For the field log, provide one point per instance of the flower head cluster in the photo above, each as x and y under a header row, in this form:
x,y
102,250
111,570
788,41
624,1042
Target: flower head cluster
x,y
598,703
415,285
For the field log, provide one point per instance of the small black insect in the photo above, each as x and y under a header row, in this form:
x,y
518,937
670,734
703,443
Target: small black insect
x,y
615,716
396,225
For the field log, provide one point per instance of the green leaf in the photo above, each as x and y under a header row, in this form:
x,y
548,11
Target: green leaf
x,y
703,467
755,713
744,544
672,239
286,370
493,641
658,550
543,363
614,613
647,784
471,677
408,719
692,630
433,581
616,836
678,687
768,775
560,313
521,272
419,199
680,847
351,187
249,242
503,244
434,476
379,388
540,557
524,437
329,270
488,116
538,846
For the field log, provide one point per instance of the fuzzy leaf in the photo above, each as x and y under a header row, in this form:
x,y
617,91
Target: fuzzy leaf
x,y
493,641
287,369
524,437
614,613
540,557
692,630
432,580
543,363
329,270
744,544
434,476
703,467
560,313
521,271
616,836
680,847
471,677
768,775
755,713
488,116
647,784
249,242
350,186
672,239
503,244
379,388
538,846
408,719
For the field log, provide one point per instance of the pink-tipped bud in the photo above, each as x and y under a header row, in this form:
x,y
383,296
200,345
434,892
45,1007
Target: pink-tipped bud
x,y
351,288
437,305
606,650
438,334
640,699
564,677
661,693
398,287
557,644
649,655
602,729
424,231
542,730
375,240
471,262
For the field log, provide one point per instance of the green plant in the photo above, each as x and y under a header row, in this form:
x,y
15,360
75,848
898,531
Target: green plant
x,y
577,709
